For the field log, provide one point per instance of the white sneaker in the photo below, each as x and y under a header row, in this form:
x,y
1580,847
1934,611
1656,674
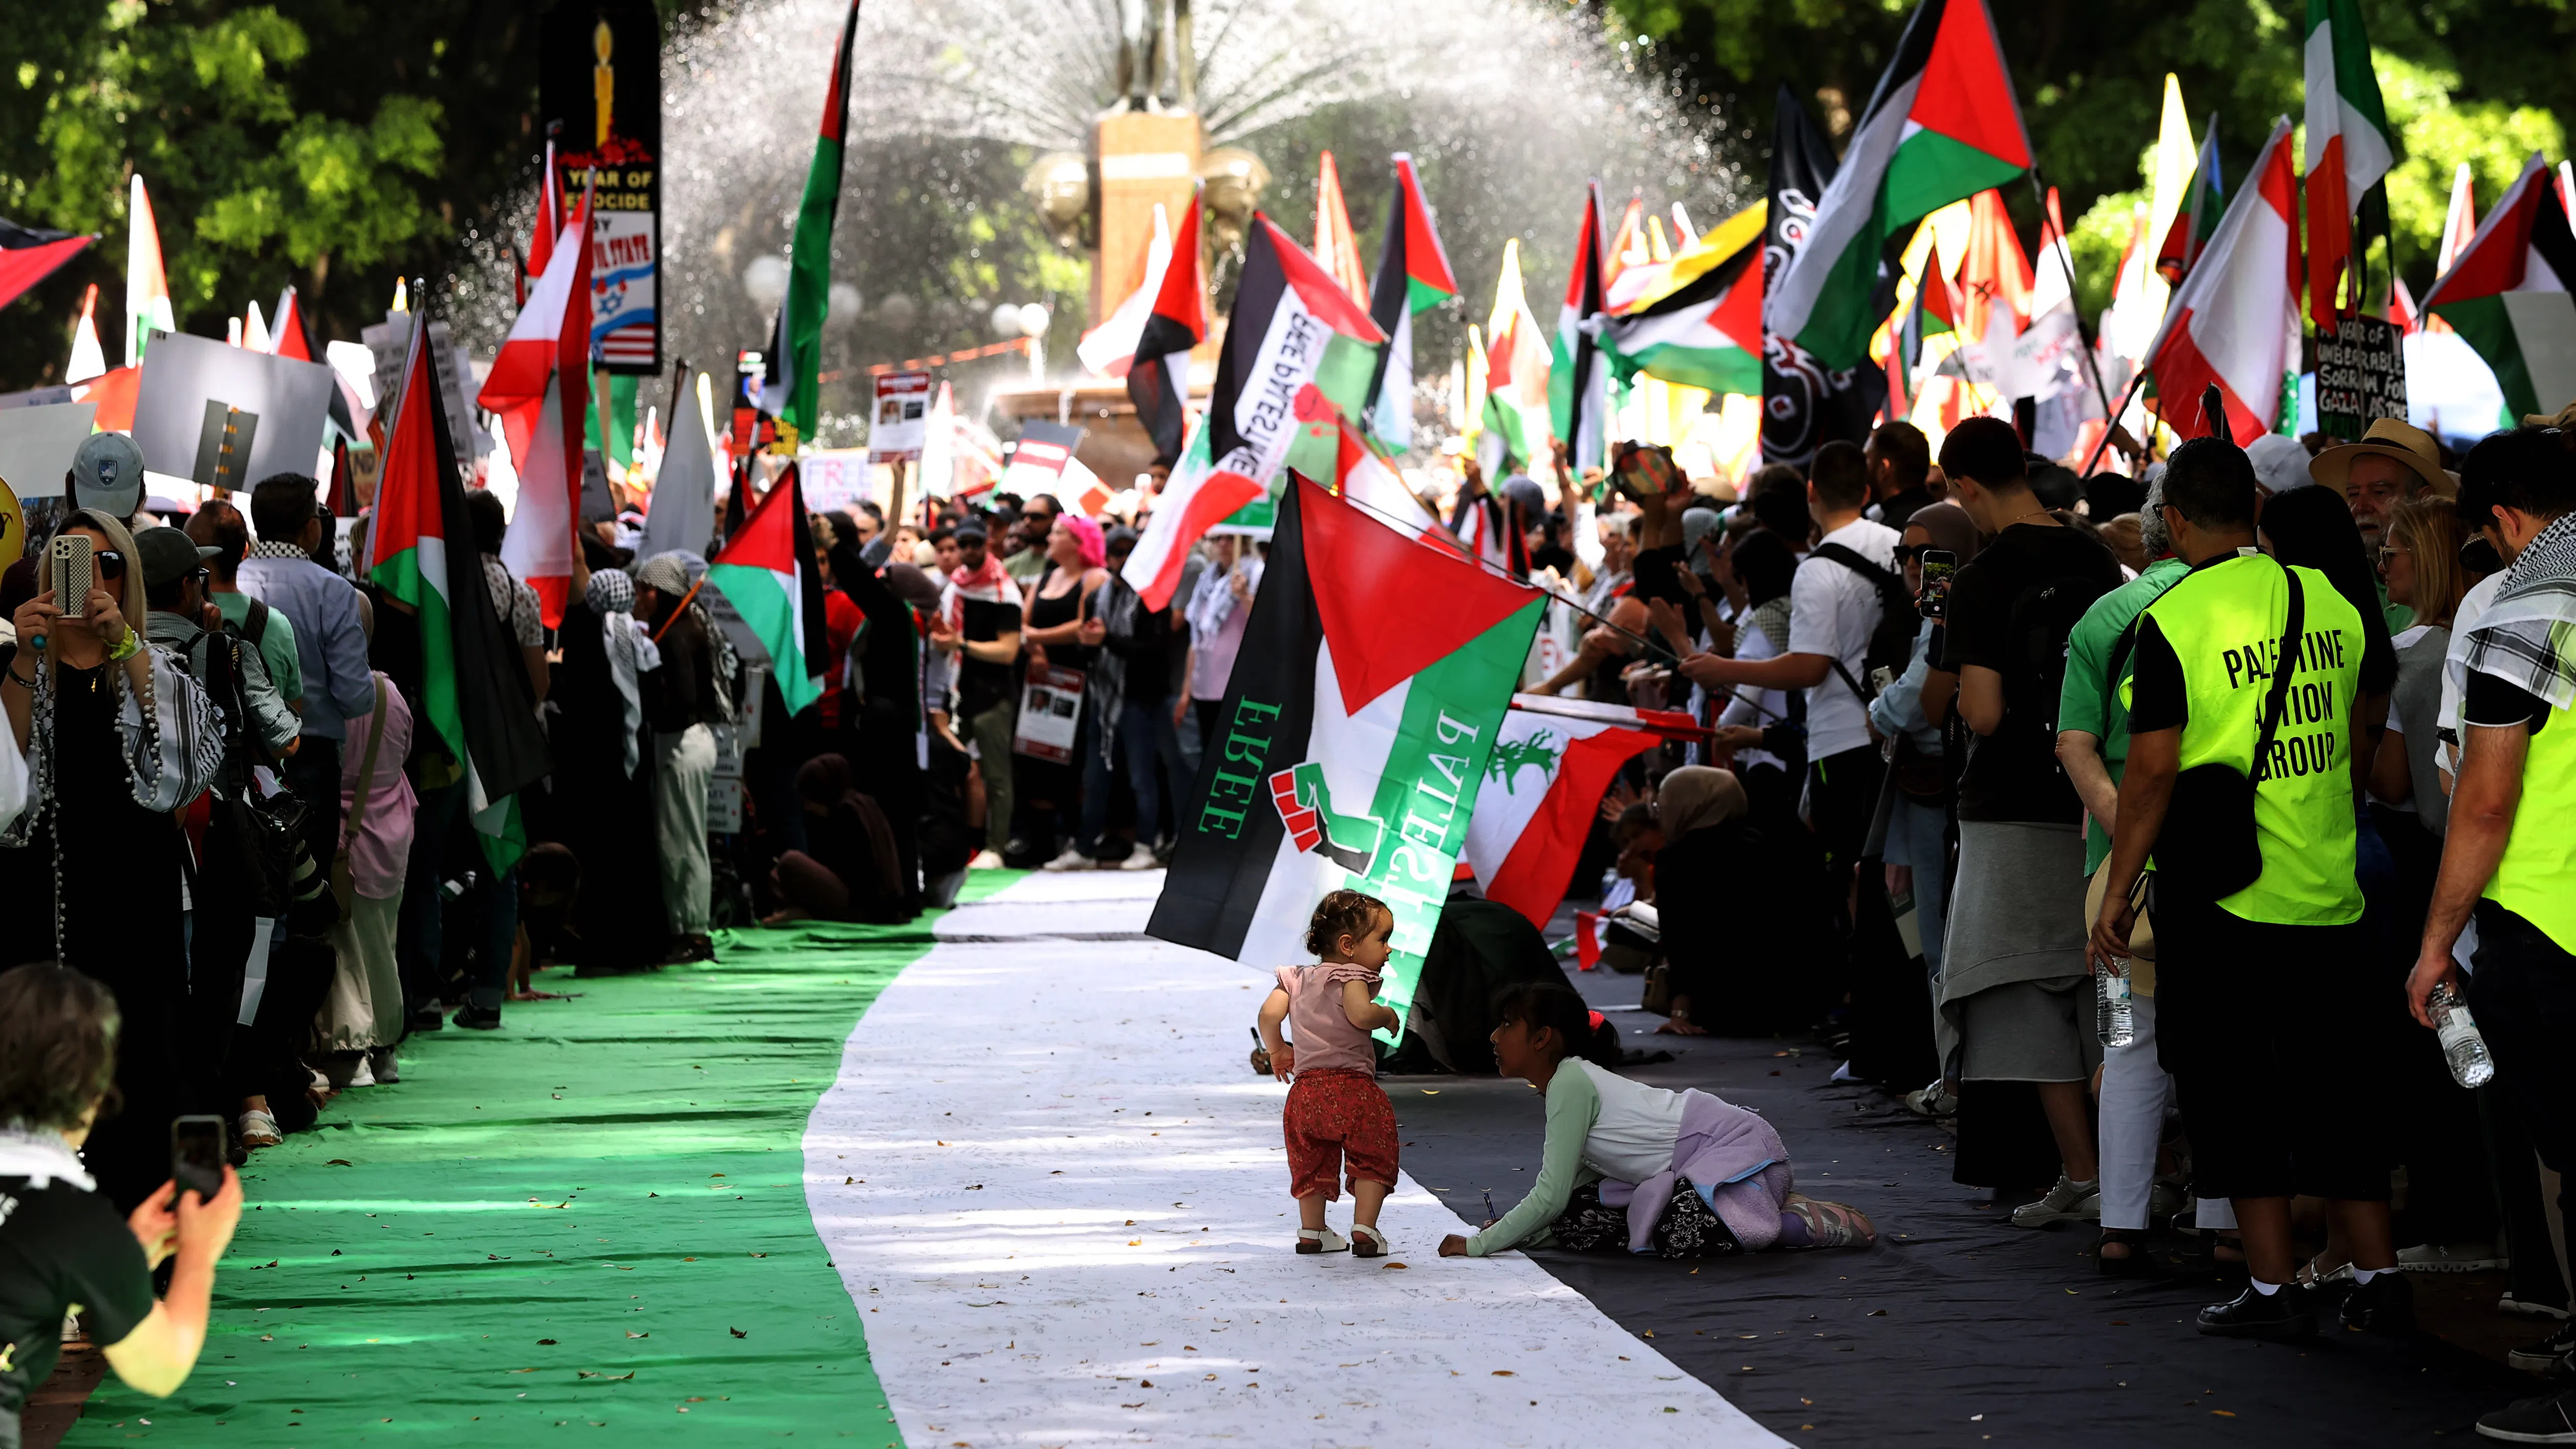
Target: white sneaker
x,y
1932,1101
381,1063
2510,1304
2069,1201
986,859
2455,1258
364,1074
1141,858
1073,858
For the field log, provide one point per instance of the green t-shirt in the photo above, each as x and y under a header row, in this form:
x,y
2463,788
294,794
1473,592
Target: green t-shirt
x,y
276,647
2398,617
2081,704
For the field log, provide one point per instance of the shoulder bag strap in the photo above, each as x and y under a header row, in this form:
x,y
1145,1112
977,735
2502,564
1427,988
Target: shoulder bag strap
x,y
367,764
2282,668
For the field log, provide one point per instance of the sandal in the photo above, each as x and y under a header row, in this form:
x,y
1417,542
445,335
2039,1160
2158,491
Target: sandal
x,y
2311,1277
259,1129
1831,1224
1367,1242
1320,1240
2136,1263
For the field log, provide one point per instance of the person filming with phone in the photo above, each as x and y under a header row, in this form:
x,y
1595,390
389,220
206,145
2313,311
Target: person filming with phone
x,y
117,738
62,1248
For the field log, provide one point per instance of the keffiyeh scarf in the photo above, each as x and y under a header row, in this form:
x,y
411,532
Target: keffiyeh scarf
x,y
630,650
988,585
2527,637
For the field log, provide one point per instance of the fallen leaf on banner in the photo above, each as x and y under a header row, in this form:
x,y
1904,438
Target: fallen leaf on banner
x,y
2224,1413
340,1162
1429,1093
1649,1333
738,1333
545,1343
1144,1383
688,1260
1391,1267
1877,1313
630,1333
1502,1373
1135,1242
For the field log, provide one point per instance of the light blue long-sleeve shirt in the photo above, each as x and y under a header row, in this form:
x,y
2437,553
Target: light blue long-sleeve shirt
x,y
330,644
1899,707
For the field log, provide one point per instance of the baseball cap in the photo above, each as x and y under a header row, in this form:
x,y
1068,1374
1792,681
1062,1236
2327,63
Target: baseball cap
x,y
107,474
169,553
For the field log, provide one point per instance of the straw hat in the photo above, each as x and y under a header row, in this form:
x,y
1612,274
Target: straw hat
x,y
2389,438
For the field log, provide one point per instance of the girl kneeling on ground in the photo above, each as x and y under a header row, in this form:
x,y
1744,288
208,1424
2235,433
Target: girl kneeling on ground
x,y
1640,1169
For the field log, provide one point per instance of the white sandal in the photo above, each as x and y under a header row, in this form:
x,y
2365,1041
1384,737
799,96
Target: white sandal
x,y
259,1129
1321,1240
1367,1242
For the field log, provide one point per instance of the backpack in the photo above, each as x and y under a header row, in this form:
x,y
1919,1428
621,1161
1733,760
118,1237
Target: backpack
x,y
1891,640
2043,616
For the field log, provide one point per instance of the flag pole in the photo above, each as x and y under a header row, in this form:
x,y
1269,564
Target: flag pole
x,y
2126,398
2066,263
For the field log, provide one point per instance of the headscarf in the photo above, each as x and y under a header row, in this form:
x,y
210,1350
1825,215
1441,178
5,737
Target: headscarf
x,y
1697,523
629,647
1696,797
664,574
1950,527
823,779
1087,537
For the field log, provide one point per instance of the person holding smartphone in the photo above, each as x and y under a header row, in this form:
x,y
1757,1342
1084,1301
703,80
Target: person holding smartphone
x,y
62,1248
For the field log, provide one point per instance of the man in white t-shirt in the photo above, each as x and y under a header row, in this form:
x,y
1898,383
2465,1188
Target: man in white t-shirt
x,y
1832,610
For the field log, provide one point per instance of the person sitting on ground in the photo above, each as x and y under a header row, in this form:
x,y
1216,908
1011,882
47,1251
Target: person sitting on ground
x,y
1337,1120
1628,1167
61,1246
1723,926
848,871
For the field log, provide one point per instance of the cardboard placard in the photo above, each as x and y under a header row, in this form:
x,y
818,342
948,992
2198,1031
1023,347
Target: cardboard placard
x,y
37,444
390,341
901,417
599,82
2361,377
1050,713
183,374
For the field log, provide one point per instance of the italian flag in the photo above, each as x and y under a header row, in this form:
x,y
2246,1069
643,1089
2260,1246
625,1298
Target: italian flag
x,y
2234,321
2350,143
767,573
420,550
1412,274
1292,320
792,390
1942,126
540,386
1702,326
2507,294
1360,720
1514,418
1551,764
1578,381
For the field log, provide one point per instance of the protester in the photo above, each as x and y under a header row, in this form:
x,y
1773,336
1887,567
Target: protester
x,y
2505,857
330,644
2261,1047
116,736
985,611
1219,607
377,805
2393,462
62,1249
1899,459
522,616
1053,608
1029,555
1723,958
848,870
2015,998
1916,851
606,763
1339,1125
220,526
1125,707
681,706
1628,1167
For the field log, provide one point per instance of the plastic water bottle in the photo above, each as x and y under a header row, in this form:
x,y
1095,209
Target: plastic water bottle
x,y
2115,1020
2462,1047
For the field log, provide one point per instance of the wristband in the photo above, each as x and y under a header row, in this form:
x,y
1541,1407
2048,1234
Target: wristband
x,y
125,649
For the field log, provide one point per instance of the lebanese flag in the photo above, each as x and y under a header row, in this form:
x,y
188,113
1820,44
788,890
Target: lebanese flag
x,y
1578,377
541,232
2235,320
2350,143
767,572
1705,328
2507,294
1942,126
544,360
1158,374
1542,788
1288,311
1412,274
1374,675
1335,245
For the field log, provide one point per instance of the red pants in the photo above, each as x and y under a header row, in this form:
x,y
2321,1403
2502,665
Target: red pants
x,y
1337,1120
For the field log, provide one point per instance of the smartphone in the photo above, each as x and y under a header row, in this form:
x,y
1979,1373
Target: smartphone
x,y
67,569
1939,567
197,1154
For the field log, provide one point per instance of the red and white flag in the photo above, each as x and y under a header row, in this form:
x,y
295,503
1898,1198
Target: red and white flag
x,y
2234,321
1552,762
540,385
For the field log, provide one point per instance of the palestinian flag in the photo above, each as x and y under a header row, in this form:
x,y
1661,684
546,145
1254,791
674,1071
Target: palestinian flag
x,y
2508,294
1364,477
2350,143
1289,317
1373,677
792,390
2235,320
1942,126
147,282
1705,329
2205,197
1578,377
1412,274
1514,419
767,573
420,550
1158,378
29,254
1551,764
540,386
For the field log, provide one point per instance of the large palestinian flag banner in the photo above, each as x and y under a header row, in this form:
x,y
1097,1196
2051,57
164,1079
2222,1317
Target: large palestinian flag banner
x,y
2507,294
1373,677
1942,126
1702,326
1552,762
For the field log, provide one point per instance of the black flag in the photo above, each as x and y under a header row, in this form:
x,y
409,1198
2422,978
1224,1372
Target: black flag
x,y
1804,404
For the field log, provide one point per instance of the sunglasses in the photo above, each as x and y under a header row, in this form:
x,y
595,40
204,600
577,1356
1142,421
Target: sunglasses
x,y
108,563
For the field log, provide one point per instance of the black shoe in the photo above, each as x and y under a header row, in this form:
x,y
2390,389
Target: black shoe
x,y
429,1019
476,1018
2286,1316
2533,1421
2385,1304
2554,1356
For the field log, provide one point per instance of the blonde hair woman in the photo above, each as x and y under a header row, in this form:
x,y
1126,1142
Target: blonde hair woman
x,y
118,739
2420,563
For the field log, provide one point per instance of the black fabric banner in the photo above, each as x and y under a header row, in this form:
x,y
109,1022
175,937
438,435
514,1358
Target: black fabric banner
x,y
1804,404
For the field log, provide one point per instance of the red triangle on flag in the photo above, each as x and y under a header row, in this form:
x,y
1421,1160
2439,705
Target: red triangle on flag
x,y
767,539
1966,94
1391,607
1319,289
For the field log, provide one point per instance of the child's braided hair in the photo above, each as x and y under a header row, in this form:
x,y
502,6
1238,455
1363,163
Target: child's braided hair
x,y
1342,913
